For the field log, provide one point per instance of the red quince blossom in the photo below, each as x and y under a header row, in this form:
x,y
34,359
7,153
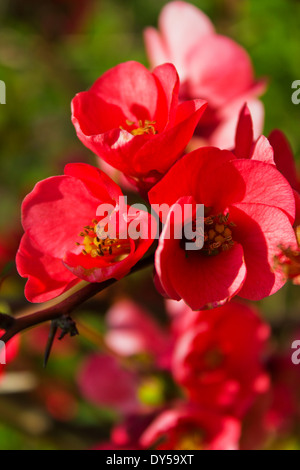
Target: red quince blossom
x,y
131,119
210,66
188,427
218,357
61,244
249,212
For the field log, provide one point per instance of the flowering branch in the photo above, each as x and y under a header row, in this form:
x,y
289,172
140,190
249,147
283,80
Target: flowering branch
x,y
64,305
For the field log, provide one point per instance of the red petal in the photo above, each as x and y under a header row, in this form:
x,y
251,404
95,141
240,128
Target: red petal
x,y
264,185
263,151
244,134
223,79
198,279
100,185
260,230
168,79
132,88
182,26
56,211
164,149
284,158
47,276
183,178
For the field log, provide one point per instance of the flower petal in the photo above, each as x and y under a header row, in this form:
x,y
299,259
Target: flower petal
x,y
181,26
54,213
198,279
261,229
284,158
47,277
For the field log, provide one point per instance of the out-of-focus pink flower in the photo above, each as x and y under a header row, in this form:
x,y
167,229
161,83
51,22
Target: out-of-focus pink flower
x,y
104,382
218,358
132,331
210,66
191,428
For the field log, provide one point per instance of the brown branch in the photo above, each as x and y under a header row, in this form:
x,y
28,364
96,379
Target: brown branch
x,y
64,305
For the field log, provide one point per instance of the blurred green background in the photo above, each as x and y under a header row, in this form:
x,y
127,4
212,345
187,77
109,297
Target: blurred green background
x,y
52,49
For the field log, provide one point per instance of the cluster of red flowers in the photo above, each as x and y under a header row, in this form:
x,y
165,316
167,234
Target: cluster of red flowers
x,y
144,125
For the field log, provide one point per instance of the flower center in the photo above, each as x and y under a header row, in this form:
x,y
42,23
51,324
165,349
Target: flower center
x,y
97,243
192,440
217,234
144,127
213,359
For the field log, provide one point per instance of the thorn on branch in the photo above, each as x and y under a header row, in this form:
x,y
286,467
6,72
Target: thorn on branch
x,y
67,326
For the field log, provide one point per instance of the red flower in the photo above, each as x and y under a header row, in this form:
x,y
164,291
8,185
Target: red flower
x,y
249,212
192,428
218,359
210,66
131,118
61,244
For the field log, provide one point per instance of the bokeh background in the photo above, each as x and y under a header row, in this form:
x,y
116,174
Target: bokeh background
x,y
50,50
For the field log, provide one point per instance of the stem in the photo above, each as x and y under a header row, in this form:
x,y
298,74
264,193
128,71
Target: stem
x,y
65,304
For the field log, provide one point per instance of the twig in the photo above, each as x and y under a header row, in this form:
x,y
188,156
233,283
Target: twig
x,y
65,305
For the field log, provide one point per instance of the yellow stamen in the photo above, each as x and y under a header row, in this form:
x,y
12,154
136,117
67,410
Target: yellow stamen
x,y
146,127
217,234
94,246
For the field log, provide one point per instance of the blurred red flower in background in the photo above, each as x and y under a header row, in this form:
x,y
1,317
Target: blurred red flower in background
x,y
188,427
210,67
132,331
103,381
218,357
